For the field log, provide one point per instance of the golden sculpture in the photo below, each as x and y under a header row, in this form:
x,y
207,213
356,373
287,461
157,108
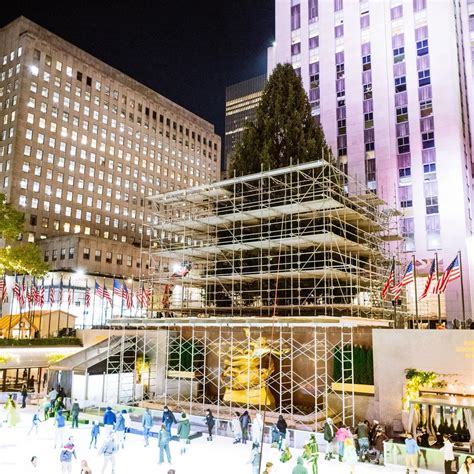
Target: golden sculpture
x,y
247,371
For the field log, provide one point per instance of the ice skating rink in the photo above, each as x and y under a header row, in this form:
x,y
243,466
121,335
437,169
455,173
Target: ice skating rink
x,y
217,457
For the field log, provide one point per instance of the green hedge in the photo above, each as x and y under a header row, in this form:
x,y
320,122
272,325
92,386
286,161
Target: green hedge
x,y
47,341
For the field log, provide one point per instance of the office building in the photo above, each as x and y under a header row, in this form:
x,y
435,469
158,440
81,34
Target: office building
x,y
394,97
241,102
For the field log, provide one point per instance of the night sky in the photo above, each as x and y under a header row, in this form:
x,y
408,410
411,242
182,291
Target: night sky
x,y
186,50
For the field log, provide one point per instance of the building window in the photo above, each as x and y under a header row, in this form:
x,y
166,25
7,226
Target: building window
x,y
405,195
86,253
295,17
402,114
431,205
98,256
408,234
129,260
403,144
399,54
429,168
367,91
400,84
62,254
33,220
422,47
424,77
312,10
396,12
369,120
433,232
314,42
108,257
339,31
295,49
366,62
71,253
427,140
119,259
364,20
419,5
55,255
426,108
370,170
338,5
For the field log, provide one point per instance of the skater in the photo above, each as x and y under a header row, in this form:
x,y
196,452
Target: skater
x,y
423,439
46,406
109,421
379,440
108,451
244,423
95,430
75,414
66,455
311,453
184,428
448,454
411,454
24,395
350,454
275,436
120,431
363,439
59,404
164,444
236,428
168,418
329,437
210,422
147,423
35,423
257,429
467,466
85,469
341,435
255,458
128,421
52,396
299,468
12,415
60,423
282,427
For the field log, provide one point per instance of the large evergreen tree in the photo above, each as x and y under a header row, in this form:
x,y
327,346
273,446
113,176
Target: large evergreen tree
x,y
284,131
15,256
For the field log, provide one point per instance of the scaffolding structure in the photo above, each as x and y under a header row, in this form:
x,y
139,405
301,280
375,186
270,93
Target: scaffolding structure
x,y
302,240
182,363
259,285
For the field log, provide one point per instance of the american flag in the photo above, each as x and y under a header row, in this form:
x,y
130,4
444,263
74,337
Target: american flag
x,y
30,294
117,289
453,272
60,293
99,291
17,293
40,292
87,298
431,275
107,295
390,281
69,294
127,296
144,296
35,292
51,293
3,289
408,278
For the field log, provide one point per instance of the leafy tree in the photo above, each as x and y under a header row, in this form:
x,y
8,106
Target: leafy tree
x,y
15,256
284,131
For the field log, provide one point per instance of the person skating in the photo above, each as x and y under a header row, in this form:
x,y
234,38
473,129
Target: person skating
x,y
282,427
109,421
120,431
184,429
379,440
423,439
85,469
24,395
329,437
257,428
59,404
210,422
236,428
341,435
363,438
164,438
147,424
244,423
128,421
350,454
35,423
467,466
255,458
66,455
46,407
168,418
95,430
12,415
448,454
299,468
108,450
60,423
311,453
411,453
75,414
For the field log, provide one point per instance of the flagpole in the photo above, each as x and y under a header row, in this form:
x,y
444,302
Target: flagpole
x,y
462,291
12,307
416,290
60,301
51,288
113,300
41,309
93,304
104,307
439,296
121,305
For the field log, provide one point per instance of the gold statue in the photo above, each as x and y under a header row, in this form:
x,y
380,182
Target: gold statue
x,y
247,371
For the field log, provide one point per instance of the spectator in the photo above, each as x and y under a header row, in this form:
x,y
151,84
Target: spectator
x,y
168,418
244,423
108,451
210,422
60,423
109,421
184,429
147,423
24,395
164,444
329,437
448,454
95,430
411,453
282,427
75,414
236,428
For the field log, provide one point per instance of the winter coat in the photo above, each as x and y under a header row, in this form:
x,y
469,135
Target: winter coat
x,y
60,421
245,420
163,438
362,430
120,424
109,417
299,468
236,428
67,453
380,437
282,426
147,420
75,408
210,421
342,434
168,418
184,428
329,431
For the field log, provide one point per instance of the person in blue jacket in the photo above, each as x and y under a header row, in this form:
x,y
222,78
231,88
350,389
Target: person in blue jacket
x,y
109,421
95,430
120,431
147,423
168,418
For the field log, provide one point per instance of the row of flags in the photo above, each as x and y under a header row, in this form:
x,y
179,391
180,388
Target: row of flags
x,y
33,293
434,284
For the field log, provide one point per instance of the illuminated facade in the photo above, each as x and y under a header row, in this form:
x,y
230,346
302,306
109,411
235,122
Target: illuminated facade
x,y
394,98
241,102
82,147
